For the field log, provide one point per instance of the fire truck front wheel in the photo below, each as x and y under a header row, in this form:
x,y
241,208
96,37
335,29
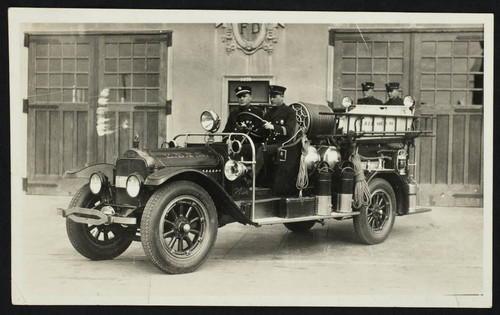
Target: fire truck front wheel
x,y
375,222
179,227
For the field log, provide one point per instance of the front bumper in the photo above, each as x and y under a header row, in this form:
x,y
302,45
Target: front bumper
x,y
94,217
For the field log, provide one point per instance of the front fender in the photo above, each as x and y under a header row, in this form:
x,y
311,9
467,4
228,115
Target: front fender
x,y
220,197
106,168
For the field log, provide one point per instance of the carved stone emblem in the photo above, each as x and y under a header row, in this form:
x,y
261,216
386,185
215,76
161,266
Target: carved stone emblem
x,y
249,37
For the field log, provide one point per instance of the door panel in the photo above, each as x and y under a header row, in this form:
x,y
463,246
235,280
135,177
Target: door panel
x,y
71,123
449,86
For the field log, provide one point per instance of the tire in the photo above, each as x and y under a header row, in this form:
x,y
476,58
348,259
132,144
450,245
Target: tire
x,y
96,242
300,227
179,227
374,224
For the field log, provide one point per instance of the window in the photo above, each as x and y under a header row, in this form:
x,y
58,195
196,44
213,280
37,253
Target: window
x,y
452,72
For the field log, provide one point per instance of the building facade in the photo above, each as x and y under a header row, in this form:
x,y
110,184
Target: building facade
x,y
90,88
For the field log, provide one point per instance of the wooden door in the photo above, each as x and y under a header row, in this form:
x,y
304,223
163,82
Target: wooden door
x,y
449,86
60,101
72,124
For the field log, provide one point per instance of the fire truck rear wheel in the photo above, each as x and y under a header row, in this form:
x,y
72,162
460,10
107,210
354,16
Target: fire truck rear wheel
x,y
300,227
375,222
179,227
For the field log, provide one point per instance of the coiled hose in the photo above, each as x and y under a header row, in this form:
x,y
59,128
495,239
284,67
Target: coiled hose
x,y
362,196
303,176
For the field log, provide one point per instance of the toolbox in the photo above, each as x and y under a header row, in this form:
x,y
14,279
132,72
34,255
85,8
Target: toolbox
x,y
297,207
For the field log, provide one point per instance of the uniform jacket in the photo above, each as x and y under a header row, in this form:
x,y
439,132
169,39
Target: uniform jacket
x,y
284,121
369,101
395,101
232,124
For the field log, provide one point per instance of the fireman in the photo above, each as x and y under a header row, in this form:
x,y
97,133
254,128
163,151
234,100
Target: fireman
x,y
368,97
393,93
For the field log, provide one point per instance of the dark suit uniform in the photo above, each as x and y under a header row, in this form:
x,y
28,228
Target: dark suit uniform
x,y
395,101
369,101
284,120
233,121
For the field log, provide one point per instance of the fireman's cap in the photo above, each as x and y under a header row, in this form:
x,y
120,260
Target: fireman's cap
x,y
276,89
243,89
367,86
392,86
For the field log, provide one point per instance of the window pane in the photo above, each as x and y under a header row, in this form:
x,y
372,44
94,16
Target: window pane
x,y
476,64
460,65
113,96
110,65
69,50
82,80
152,96
348,80
138,96
428,81
429,48
68,80
110,80
379,81
428,65
153,80
443,98
55,80
444,81
427,98
41,95
380,65
125,80
82,50
139,80
444,49
396,49
460,48
380,49
42,80
395,78
153,50
82,65
42,50
459,81
349,49
42,65
475,49
55,65
476,81
396,65
125,50
111,50
139,65
55,96
444,65
125,65
153,65
55,50
139,50
458,97
68,95
364,49
69,65
364,65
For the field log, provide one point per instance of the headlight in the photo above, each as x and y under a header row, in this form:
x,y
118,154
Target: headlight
x,y
346,101
210,121
409,101
134,185
97,182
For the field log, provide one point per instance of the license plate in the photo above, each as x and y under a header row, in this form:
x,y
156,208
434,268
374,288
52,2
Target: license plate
x,y
121,181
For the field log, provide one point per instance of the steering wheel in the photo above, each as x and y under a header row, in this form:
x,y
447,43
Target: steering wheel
x,y
252,130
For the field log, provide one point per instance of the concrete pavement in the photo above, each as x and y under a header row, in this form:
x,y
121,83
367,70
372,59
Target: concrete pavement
x,y
430,259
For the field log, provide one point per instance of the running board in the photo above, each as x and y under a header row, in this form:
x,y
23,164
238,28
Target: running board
x,y
419,210
278,220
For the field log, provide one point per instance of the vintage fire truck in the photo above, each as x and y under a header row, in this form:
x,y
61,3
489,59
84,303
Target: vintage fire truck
x,y
354,163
